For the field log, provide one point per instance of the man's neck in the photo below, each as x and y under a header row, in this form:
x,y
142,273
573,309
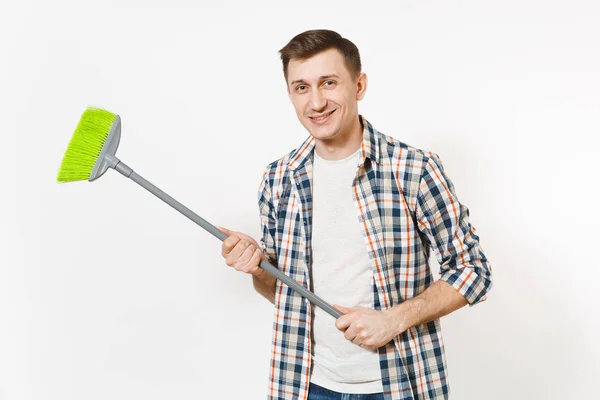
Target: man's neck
x,y
350,143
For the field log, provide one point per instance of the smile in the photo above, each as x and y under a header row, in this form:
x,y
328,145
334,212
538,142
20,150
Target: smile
x,y
322,119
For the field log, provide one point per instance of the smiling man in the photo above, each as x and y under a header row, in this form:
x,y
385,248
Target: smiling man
x,y
353,214
327,105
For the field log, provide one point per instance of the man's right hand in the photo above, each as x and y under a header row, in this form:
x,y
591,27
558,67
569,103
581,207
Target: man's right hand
x,y
242,252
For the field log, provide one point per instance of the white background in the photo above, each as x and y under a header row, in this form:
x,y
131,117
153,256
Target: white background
x,y
107,293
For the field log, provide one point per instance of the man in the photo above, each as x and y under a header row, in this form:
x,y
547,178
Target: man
x,y
352,214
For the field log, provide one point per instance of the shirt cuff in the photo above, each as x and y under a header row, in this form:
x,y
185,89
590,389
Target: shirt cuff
x,y
468,283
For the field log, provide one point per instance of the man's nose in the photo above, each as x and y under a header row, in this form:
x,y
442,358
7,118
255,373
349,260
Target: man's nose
x,y
317,101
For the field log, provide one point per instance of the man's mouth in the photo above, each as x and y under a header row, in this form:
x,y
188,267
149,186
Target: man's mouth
x,y
322,118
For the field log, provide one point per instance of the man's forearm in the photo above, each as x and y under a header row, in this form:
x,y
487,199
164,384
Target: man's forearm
x,y
436,301
265,285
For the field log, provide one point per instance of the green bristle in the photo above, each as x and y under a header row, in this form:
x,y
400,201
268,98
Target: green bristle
x,y
85,145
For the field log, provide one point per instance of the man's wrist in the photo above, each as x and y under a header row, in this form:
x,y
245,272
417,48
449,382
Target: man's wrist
x,y
402,315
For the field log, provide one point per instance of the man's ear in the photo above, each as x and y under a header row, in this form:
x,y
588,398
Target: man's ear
x,y
361,85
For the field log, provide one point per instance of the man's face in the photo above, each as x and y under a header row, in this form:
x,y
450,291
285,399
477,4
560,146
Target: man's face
x,y
324,94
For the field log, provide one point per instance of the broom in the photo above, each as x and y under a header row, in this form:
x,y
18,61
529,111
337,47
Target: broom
x,y
91,152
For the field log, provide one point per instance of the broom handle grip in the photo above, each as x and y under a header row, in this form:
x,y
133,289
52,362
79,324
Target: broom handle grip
x,y
273,271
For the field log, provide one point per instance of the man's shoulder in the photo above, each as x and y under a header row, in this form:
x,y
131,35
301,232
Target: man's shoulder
x,y
283,161
275,172
280,165
400,151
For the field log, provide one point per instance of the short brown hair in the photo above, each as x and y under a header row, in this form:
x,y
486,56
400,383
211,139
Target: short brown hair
x,y
309,43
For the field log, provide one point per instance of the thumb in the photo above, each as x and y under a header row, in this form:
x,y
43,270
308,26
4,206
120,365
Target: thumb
x,y
341,308
224,230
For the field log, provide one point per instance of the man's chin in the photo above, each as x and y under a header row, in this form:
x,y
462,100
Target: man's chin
x,y
323,134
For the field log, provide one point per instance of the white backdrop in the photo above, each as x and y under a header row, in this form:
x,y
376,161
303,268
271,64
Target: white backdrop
x,y
107,293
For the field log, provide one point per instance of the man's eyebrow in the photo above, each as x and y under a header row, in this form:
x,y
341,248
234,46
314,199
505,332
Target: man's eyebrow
x,y
321,78
297,81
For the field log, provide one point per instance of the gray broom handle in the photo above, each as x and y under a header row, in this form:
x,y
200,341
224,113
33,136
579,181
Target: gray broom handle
x,y
128,172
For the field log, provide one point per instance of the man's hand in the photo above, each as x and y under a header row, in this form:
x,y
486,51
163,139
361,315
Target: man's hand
x,y
242,252
368,328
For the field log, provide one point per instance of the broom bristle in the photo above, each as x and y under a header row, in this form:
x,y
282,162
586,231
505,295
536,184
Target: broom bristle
x,y
85,145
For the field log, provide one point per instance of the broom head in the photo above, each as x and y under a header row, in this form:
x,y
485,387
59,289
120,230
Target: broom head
x,y
86,145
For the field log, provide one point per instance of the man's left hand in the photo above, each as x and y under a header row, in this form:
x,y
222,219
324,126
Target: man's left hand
x,y
368,328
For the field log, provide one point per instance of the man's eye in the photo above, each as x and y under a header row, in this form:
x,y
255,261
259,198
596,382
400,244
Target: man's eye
x,y
330,83
300,88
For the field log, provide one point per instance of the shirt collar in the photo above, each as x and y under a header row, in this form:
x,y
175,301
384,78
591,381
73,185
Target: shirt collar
x,y
369,148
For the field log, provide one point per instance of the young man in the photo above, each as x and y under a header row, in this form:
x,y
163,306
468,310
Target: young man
x,y
352,214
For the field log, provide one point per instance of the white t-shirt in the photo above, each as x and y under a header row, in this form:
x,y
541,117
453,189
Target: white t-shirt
x,y
341,274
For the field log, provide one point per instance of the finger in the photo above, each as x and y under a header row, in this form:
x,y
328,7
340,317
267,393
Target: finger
x,y
342,323
345,321
359,337
255,262
368,347
224,230
246,237
343,310
350,335
228,245
243,263
235,254
241,235
349,310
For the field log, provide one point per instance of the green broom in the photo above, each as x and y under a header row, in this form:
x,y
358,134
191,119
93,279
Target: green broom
x,y
91,152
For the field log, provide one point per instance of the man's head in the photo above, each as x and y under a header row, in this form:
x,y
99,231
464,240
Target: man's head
x,y
324,82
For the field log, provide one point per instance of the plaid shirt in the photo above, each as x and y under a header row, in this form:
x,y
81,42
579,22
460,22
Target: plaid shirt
x,y
405,205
